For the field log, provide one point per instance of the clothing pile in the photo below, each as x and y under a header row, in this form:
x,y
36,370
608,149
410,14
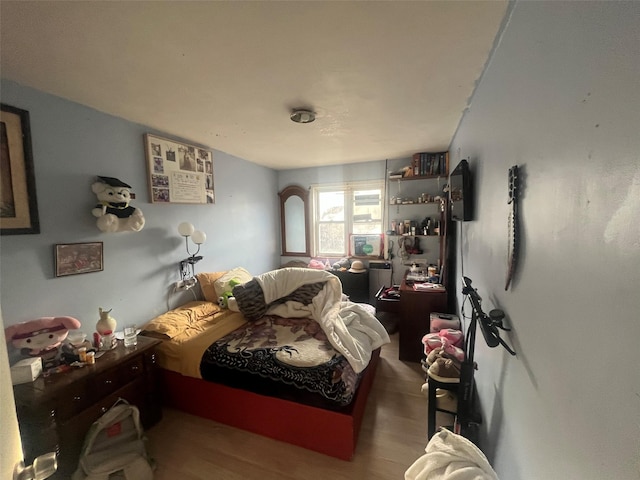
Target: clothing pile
x,y
449,456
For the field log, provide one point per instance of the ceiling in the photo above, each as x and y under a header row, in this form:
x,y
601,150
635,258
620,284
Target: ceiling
x,y
386,79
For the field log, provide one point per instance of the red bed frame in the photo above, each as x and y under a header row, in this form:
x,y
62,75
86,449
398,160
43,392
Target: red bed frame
x,y
325,431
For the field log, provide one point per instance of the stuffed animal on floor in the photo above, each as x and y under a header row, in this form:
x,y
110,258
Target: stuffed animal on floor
x,y
227,300
113,211
41,337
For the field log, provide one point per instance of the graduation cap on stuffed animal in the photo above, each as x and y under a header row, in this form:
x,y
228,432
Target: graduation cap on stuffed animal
x,y
113,182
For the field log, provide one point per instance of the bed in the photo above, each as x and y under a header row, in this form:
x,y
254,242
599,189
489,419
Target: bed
x,y
294,360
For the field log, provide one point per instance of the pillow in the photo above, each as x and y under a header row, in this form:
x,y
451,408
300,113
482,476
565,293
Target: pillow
x,y
207,281
250,299
222,284
176,321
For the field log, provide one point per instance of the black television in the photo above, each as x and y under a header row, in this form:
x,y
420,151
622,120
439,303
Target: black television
x,y
460,194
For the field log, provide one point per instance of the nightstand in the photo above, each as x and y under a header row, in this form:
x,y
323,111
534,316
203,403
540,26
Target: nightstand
x,y
415,310
55,412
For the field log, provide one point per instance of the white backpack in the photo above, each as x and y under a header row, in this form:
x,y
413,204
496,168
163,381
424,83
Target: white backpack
x,y
114,447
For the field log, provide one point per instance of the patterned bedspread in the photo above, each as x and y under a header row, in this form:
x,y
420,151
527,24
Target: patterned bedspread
x,y
286,352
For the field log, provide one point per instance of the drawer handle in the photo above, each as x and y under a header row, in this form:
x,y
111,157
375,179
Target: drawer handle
x,y
108,382
135,368
77,398
153,358
103,410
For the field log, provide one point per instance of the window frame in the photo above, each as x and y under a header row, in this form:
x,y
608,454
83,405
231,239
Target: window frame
x,y
348,188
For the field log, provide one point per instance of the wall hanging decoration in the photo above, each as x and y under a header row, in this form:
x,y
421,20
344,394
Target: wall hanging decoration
x,y
113,211
18,207
514,225
178,173
75,258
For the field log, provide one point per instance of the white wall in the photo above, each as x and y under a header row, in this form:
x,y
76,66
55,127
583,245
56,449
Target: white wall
x,y
560,97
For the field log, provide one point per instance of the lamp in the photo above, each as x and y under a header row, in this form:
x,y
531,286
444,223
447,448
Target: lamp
x,y
187,266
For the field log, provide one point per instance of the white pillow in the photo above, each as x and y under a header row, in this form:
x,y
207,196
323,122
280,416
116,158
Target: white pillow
x,y
238,274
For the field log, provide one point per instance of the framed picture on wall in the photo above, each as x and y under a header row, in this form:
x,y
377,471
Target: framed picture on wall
x,y
178,172
18,207
76,258
366,245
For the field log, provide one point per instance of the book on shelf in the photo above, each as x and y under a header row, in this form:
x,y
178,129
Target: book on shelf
x,y
426,164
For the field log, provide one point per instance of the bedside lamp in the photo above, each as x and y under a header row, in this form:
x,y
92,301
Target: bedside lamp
x,y
187,266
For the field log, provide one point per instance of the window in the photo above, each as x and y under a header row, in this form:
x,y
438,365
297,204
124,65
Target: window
x,y
341,210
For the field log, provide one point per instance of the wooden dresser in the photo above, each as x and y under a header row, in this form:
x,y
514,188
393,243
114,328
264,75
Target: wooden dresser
x,y
415,310
56,412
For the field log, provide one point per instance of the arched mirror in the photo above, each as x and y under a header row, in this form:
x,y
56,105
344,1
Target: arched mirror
x,y
294,221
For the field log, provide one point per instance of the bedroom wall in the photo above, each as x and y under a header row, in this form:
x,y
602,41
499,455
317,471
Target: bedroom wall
x,y
560,97
71,145
331,174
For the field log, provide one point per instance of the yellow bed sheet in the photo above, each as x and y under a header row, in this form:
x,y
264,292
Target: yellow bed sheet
x,y
188,331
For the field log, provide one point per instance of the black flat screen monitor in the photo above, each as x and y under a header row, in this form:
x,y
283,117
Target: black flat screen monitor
x,y
460,194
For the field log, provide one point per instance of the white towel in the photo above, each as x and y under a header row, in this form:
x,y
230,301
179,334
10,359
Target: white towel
x,y
451,457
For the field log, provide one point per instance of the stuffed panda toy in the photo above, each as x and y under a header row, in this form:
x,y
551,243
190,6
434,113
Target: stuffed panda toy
x,y
113,211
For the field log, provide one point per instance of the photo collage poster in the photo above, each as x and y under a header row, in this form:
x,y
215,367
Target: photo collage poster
x,y
179,173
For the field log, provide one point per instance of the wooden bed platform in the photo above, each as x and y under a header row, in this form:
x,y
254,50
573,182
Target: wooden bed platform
x,y
325,431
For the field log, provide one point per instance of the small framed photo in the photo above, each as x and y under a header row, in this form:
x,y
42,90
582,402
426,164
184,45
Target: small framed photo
x,y
366,245
75,258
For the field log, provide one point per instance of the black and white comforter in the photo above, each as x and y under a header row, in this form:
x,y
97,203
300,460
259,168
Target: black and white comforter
x,y
275,355
351,329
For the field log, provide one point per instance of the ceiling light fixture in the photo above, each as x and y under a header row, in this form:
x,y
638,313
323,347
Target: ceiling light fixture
x,y
302,116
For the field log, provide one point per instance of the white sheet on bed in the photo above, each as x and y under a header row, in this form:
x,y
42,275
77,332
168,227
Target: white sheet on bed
x,y
350,328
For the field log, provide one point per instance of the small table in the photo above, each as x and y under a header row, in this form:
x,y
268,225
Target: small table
x,y
415,310
355,285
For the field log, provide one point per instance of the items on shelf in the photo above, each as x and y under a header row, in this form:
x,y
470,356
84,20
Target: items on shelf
x,y
426,163
419,199
423,164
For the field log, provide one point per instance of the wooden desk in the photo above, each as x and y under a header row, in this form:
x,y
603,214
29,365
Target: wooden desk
x,y
415,309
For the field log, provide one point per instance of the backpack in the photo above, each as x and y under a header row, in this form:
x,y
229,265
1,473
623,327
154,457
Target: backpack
x,y
114,447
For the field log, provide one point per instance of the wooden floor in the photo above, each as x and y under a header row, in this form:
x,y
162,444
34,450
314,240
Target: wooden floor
x,y
392,437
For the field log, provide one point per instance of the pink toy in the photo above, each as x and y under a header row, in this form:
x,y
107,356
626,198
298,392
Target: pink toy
x,y
41,337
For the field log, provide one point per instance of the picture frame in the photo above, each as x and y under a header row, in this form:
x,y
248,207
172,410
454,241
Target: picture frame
x,y
178,172
18,205
77,258
365,245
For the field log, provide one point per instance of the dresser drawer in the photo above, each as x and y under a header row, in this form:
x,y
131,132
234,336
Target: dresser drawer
x,y
132,369
108,382
75,398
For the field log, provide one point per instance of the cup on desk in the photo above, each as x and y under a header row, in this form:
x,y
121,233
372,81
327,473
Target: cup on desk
x,y
130,336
